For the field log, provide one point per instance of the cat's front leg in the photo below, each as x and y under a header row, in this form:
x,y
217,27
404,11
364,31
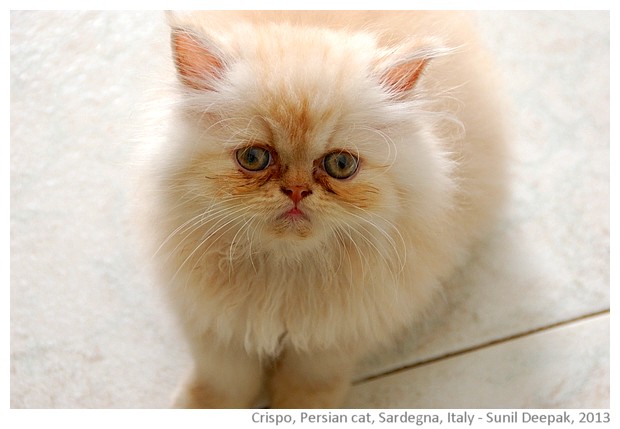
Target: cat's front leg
x,y
224,376
311,380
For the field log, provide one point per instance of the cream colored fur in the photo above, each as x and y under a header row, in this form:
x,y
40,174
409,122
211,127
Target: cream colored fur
x,y
291,304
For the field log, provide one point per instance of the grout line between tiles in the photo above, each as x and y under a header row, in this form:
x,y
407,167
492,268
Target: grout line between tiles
x,y
480,346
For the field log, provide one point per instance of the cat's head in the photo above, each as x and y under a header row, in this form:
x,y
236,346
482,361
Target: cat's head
x,y
302,136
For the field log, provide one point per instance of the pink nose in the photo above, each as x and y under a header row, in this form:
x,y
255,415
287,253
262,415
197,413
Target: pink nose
x,y
296,192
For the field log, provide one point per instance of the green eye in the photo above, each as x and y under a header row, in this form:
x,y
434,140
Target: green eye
x,y
340,165
253,158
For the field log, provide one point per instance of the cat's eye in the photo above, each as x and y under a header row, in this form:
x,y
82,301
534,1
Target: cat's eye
x,y
253,158
340,165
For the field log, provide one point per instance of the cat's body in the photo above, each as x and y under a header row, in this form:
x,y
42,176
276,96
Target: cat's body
x,y
322,174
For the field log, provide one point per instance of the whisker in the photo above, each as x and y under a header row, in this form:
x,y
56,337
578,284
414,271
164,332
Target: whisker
x,y
195,223
394,246
391,145
214,229
234,242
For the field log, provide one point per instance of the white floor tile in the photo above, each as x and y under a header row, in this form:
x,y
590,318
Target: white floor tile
x,y
564,367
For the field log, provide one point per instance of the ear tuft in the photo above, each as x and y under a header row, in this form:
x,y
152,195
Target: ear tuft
x,y
197,63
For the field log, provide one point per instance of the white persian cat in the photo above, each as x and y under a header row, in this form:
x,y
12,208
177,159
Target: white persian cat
x,y
322,173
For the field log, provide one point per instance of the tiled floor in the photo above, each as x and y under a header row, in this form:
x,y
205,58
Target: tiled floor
x,y
526,324
565,366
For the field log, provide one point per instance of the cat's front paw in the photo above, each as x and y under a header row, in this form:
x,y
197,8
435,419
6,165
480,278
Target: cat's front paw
x,y
202,395
328,394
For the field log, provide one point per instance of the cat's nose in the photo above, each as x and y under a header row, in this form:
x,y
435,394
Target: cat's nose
x,y
296,192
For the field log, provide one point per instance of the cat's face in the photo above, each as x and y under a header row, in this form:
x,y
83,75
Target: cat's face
x,y
299,171
297,137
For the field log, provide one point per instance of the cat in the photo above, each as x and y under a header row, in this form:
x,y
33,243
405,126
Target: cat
x,y
321,174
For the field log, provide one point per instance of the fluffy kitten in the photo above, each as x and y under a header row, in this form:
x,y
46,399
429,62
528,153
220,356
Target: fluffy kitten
x,y
322,173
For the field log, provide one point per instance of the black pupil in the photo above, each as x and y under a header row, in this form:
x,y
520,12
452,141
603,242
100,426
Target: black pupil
x,y
252,157
343,162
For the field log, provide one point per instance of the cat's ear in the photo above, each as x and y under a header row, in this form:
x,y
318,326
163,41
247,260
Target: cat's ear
x,y
403,76
400,69
199,63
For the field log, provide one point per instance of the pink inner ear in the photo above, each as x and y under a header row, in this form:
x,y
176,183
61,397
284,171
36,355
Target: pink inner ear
x,y
196,64
404,76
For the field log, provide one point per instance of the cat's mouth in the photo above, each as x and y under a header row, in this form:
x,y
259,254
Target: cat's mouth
x,y
294,213
293,220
